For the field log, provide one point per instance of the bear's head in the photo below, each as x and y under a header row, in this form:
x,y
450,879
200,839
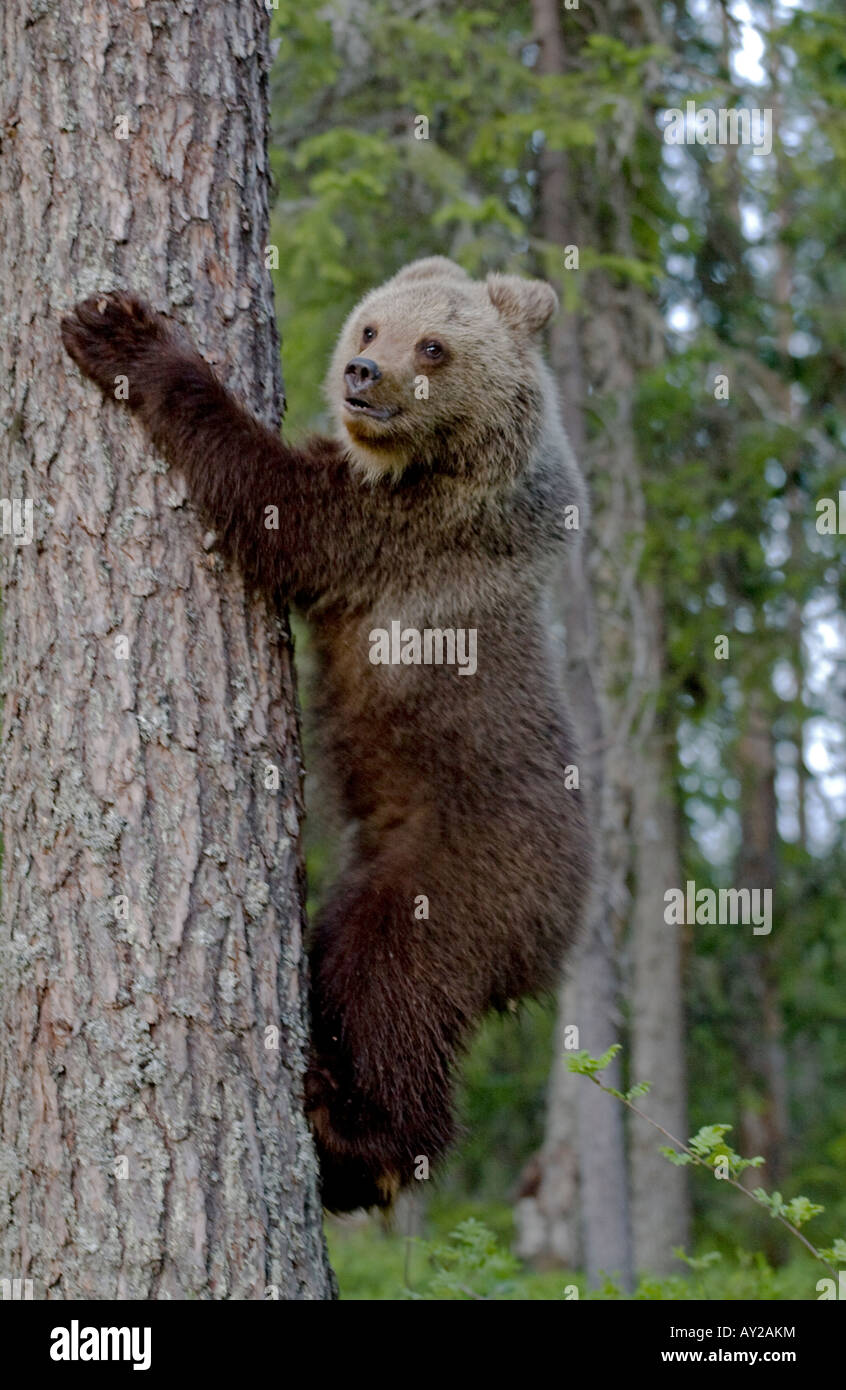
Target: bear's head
x,y
436,369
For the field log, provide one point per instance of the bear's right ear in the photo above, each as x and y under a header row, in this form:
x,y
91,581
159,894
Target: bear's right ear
x,y
431,268
524,304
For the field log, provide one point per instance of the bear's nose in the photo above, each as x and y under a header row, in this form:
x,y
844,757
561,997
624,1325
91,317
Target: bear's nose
x,y
361,373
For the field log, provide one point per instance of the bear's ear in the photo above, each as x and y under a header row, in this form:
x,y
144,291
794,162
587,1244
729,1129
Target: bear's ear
x,y
432,268
524,304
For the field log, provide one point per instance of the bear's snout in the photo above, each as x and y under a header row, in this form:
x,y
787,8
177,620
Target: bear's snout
x,y
360,374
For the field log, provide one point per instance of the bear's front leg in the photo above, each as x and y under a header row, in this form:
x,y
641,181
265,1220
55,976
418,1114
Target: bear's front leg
x,y
116,338
239,473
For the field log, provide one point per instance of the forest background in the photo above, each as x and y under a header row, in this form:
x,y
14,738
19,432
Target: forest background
x,y
699,356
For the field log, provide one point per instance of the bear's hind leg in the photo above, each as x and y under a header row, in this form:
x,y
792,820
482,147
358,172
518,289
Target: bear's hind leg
x,y
387,1021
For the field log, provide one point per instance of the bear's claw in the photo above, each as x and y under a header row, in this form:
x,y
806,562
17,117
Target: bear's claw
x,y
106,334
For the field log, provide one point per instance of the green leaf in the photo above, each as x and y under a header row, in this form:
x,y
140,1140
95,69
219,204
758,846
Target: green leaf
x,y
586,1065
675,1157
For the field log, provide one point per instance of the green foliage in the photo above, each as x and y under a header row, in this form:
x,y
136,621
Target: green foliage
x,y
836,1253
584,1065
797,1211
501,1105
471,1262
359,196
708,1148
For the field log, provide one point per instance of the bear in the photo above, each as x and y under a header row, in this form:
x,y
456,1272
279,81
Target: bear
x,y
419,540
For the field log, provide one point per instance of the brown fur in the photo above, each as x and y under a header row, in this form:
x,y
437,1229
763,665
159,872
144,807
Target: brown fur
x,y
448,514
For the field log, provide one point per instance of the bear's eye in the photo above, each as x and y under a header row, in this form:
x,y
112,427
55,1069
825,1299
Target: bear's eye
x,y
368,334
433,350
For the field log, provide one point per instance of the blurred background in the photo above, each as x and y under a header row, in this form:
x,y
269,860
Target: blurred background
x,y
699,355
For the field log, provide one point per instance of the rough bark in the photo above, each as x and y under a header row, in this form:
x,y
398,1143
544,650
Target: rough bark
x,y
152,1143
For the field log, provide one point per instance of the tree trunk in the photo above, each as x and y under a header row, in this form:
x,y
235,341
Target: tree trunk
x,y
615,656
153,1143
546,1217
582,1166
762,1060
660,1214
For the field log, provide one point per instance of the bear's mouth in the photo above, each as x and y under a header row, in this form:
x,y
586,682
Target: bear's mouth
x,y
356,405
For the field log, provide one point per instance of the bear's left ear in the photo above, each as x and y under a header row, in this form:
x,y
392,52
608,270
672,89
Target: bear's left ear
x,y
432,268
524,304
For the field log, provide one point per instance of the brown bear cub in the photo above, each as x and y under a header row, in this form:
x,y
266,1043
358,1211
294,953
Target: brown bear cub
x,y
419,542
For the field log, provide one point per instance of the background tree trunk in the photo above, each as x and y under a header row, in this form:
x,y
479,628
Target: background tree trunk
x,y
660,1204
153,1143
759,1029
586,1175
615,661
